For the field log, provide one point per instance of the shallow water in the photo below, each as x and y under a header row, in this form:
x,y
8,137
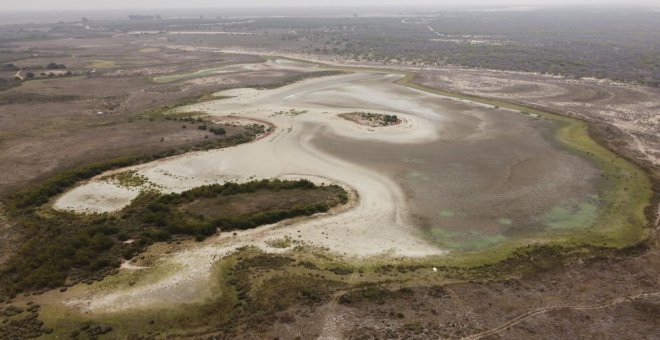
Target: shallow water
x,y
493,175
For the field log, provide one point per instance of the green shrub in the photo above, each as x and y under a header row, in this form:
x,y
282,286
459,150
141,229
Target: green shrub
x,y
218,131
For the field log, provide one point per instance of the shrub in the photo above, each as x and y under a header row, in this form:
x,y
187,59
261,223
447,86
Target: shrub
x,y
54,66
391,119
218,131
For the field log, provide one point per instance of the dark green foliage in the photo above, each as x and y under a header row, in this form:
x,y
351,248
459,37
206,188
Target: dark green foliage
x,y
382,119
218,131
59,183
54,66
247,222
163,211
65,246
341,271
391,119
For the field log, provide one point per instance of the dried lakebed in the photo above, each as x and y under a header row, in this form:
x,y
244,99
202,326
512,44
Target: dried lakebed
x,y
455,176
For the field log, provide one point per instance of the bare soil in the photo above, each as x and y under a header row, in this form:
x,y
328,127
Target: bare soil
x,y
59,116
250,203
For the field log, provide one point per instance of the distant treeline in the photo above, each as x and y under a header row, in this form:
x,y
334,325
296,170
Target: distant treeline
x,y
575,42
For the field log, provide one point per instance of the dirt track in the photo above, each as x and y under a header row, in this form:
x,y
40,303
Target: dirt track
x,y
541,310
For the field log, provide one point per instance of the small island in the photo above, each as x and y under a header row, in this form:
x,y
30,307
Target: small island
x,y
371,119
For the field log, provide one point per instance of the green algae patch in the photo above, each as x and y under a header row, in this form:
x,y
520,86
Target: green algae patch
x,y
472,240
626,190
613,217
572,216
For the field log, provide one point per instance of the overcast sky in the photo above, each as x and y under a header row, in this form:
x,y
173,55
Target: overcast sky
x,y
125,4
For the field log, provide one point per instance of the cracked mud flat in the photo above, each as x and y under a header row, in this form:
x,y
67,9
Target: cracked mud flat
x,y
314,143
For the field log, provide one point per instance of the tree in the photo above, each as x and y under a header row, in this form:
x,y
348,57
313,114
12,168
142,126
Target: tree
x,y
101,242
218,131
52,66
29,75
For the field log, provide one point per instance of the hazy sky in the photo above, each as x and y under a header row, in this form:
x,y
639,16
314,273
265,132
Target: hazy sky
x,y
121,4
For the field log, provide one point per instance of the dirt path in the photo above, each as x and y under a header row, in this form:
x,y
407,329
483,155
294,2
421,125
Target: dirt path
x,y
542,310
332,323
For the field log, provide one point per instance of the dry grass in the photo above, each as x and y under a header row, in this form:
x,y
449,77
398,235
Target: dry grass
x,y
249,203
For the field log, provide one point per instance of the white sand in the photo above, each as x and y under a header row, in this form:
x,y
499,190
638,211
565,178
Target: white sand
x,y
96,196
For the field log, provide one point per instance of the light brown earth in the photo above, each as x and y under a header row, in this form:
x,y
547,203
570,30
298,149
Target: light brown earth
x,y
58,116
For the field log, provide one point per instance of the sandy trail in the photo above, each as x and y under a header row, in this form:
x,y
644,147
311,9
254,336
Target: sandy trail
x,y
377,224
537,311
